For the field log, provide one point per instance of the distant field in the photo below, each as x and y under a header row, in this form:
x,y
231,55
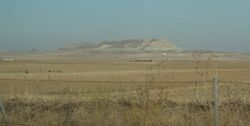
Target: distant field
x,y
121,93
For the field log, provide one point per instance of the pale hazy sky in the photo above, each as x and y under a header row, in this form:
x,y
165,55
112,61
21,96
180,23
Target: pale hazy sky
x,y
190,24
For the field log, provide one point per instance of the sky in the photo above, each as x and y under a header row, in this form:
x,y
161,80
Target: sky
x,y
221,25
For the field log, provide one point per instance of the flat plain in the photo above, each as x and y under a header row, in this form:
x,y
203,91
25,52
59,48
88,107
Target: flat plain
x,y
120,91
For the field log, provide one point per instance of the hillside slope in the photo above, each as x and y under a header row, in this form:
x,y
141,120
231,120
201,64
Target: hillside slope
x,y
125,45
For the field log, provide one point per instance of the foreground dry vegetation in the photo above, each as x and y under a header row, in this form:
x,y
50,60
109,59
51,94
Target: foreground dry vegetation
x,y
119,93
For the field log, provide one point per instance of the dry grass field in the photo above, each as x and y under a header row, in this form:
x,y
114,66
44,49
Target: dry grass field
x,y
116,92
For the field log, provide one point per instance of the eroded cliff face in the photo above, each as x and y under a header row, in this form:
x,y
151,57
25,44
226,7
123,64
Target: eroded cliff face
x,y
126,45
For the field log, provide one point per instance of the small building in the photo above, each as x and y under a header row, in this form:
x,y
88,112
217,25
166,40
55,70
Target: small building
x,y
7,59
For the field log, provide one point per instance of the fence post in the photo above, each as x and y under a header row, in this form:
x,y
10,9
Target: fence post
x,y
215,101
3,112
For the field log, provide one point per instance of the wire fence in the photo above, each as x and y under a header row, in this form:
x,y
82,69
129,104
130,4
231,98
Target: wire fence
x,y
215,91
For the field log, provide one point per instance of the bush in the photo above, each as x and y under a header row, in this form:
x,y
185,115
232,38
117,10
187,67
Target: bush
x,y
26,71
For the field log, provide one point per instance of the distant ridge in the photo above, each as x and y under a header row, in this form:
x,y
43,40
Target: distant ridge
x,y
125,45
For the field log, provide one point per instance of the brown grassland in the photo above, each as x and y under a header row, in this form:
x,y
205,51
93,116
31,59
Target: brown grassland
x,y
115,92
